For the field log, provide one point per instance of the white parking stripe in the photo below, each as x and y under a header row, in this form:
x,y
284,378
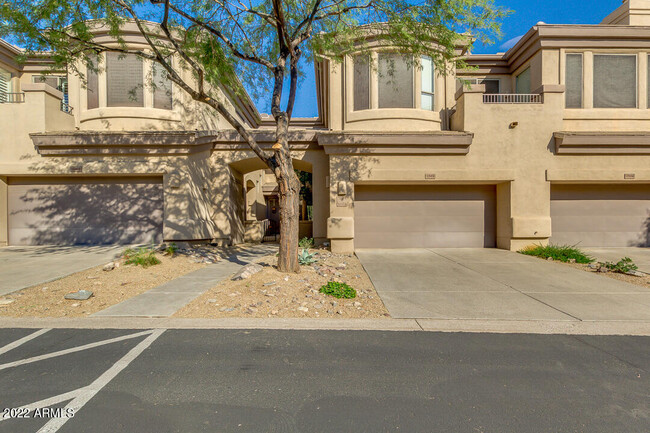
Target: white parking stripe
x,y
23,340
90,391
72,350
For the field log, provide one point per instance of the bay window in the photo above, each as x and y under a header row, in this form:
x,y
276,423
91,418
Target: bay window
x,y
124,80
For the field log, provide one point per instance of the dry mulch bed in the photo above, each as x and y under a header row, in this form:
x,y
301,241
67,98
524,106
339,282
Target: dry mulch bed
x,y
108,287
643,281
270,293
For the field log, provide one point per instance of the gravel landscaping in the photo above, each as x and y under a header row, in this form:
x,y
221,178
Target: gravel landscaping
x,y
269,293
643,280
112,286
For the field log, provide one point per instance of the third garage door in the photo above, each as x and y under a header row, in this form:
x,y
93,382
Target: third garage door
x,y
600,215
424,216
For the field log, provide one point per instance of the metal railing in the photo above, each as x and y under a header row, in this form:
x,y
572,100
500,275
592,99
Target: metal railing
x,y
12,98
513,98
66,108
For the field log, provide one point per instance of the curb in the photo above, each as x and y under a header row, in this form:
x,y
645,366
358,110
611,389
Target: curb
x,y
418,325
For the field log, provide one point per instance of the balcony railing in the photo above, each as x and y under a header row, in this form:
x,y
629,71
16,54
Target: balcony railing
x,y
66,108
12,98
514,98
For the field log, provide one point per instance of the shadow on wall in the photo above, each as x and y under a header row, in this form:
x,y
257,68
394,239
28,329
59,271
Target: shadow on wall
x,y
644,236
85,211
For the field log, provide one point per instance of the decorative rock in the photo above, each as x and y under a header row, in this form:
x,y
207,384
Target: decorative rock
x,y
318,306
636,274
76,304
303,309
109,266
286,278
357,304
572,260
593,266
334,303
212,301
5,302
269,284
81,295
247,271
274,312
550,259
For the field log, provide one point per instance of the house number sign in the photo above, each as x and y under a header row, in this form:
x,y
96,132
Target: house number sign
x,y
429,176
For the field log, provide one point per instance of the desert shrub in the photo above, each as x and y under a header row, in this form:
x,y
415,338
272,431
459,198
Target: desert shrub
x,y
171,249
623,266
306,258
562,253
306,242
143,256
338,290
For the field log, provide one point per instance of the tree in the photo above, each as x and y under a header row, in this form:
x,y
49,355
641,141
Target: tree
x,y
261,41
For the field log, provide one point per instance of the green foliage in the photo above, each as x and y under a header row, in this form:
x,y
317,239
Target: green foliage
x,y
306,242
623,266
143,256
562,253
338,290
305,258
171,249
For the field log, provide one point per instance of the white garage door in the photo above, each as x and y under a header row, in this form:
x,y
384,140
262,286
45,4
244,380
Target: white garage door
x,y
424,216
600,215
71,211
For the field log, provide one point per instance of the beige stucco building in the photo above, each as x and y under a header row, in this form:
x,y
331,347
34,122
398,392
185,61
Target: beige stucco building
x,y
549,141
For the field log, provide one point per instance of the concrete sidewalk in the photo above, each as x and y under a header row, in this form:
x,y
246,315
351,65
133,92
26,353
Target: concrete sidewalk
x,y
488,284
166,299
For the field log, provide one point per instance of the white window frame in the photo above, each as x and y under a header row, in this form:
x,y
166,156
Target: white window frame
x,y
432,94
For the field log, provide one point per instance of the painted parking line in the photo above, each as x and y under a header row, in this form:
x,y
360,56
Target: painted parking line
x,y
86,393
23,340
73,349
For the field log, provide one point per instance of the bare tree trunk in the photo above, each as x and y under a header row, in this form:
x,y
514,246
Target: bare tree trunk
x,y
289,197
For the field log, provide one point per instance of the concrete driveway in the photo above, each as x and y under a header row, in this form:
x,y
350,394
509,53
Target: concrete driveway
x,y
496,284
22,267
640,256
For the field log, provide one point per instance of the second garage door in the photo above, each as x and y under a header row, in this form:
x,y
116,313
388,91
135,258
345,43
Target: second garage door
x,y
70,211
601,215
425,216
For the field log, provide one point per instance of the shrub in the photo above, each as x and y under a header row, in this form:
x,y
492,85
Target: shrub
x,y
623,266
563,253
306,242
171,249
305,258
142,256
338,290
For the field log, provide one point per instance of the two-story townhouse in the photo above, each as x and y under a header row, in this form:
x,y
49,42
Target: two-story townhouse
x,y
551,142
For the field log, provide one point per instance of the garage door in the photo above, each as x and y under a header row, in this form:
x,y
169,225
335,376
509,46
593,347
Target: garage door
x,y
600,215
69,211
424,216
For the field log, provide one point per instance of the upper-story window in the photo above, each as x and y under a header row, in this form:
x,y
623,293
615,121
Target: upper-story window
x,y
573,81
615,80
428,84
361,82
59,82
492,85
124,80
92,85
5,85
522,82
395,81
162,88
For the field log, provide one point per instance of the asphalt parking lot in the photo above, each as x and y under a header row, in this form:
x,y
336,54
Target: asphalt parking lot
x,y
321,381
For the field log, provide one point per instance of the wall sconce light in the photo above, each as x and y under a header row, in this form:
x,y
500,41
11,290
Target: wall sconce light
x,y
513,125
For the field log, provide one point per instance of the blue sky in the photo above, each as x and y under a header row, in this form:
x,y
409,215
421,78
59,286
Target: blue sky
x,y
526,13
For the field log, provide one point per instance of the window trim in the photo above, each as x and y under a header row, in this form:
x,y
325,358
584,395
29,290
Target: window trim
x,y
433,85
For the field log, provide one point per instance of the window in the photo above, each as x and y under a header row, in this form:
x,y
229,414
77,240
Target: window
x,y
361,78
614,81
492,85
5,85
162,92
124,78
60,83
428,84
523,82
395,81
92,85
573,81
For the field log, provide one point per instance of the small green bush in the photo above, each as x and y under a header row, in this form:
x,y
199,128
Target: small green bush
x,y
142,256
623,266
305,258
338,290
171,249
562,253
306,242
